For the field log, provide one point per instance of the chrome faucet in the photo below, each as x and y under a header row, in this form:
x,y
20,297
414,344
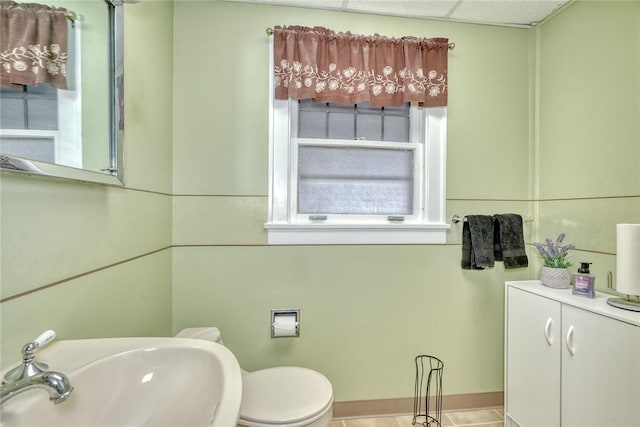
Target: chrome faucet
x,y
31,374
55,383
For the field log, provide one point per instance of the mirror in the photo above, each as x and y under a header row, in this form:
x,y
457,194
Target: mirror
x,y
84,138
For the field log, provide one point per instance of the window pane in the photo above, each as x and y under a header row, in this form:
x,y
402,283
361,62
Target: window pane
x,y
312,124
341,125
366,107
396,128
342,108
42,91
12,113
402,110
347,180
43,114
10,92
369,127
41,108
362,121
32,148
308,104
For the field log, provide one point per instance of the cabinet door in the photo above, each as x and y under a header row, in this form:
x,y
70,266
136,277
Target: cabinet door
x,y
600,371
533,345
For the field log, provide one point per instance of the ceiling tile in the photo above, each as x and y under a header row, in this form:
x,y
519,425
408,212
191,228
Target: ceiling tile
x,y
494,12
317,4
523,12
412,8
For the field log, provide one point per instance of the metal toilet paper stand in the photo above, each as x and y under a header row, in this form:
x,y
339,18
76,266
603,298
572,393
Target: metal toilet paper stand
x,y
427,400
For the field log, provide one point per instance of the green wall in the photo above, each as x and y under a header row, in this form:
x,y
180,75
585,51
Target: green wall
x,y
107,250
366,311
537,126
588,144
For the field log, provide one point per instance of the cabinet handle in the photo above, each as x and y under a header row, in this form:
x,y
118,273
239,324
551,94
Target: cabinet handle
x,y
547,331
570,347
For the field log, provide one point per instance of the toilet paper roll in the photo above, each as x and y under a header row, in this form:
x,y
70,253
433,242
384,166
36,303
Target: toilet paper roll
x,y
285,326
628,259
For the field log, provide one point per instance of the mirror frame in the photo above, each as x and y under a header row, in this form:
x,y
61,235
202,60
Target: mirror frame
x,y
114,173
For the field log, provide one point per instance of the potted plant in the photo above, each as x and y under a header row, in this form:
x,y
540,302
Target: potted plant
x,y
555,271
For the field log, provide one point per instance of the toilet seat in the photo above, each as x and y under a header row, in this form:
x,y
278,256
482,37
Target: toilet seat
x,y
289,396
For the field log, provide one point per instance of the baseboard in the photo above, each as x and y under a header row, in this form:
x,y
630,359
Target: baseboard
x,y
450,402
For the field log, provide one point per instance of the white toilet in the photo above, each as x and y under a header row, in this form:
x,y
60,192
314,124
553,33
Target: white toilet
x,y
284,396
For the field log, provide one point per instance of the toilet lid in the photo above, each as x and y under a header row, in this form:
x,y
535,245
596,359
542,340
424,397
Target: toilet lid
x,y
284,395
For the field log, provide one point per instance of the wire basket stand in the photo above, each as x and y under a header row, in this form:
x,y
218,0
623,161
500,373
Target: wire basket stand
x,y
427,400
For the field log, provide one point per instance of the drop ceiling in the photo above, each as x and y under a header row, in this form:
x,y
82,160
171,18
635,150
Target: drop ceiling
x,y
518,13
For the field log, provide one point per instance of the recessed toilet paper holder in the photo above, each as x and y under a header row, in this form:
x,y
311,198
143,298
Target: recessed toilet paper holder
x,y
285,322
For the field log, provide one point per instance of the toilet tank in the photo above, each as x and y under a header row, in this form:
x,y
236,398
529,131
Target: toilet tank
x,y
208,333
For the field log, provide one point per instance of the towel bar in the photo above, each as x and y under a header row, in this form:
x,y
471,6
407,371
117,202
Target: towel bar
x,y
457,218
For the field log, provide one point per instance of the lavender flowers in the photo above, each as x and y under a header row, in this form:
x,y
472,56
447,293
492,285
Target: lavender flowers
x,y
555,254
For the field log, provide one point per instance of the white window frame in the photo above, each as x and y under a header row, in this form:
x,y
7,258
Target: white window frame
x,y
427,225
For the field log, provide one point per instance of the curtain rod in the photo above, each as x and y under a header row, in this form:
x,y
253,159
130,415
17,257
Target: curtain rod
x,y
71,16
270,33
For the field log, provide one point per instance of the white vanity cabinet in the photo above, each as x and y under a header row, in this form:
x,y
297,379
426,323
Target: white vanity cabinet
x,y
569,360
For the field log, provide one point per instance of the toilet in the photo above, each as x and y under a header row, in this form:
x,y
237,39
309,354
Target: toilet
x,y
285,396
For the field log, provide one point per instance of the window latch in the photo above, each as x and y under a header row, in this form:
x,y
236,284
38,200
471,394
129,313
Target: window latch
x,y
316,218
395,218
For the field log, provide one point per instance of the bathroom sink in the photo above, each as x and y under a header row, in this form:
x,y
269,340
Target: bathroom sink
x,y
135,382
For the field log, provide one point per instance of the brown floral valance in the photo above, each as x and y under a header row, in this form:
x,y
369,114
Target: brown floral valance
x,y
33,44
346,68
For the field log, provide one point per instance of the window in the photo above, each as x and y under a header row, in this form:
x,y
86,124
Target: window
x,y
44,123
31,112
356,174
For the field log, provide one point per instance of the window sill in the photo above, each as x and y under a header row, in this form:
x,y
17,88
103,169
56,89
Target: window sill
x,y
343,234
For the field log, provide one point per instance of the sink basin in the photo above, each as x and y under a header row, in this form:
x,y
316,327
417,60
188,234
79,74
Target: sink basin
x,y
135,382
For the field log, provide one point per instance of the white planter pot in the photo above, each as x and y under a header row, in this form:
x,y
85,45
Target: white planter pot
x,y
558,278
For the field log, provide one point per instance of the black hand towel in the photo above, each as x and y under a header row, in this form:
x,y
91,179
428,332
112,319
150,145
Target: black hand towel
x,y
477,242
509,241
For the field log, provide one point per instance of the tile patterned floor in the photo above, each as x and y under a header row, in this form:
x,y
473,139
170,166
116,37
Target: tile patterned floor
x,y
493,417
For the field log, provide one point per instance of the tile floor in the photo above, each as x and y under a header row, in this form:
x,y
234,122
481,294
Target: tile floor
x,y
492,417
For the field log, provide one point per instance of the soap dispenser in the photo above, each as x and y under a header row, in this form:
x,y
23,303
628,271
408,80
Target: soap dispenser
x,y
583,282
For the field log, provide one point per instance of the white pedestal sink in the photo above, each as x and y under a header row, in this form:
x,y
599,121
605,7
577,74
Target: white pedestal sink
x,y
135,382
